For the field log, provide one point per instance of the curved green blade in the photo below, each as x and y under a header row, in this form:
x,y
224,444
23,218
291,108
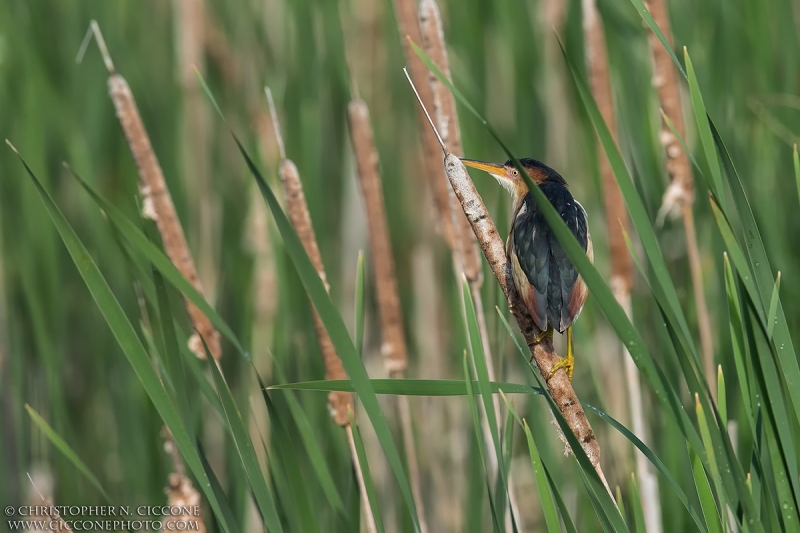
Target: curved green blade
x,y
66,449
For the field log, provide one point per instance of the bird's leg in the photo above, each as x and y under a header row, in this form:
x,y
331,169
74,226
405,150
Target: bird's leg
x,y
568,362
544,334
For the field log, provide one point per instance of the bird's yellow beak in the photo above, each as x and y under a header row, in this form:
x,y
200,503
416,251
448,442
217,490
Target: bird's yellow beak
x,y
496,170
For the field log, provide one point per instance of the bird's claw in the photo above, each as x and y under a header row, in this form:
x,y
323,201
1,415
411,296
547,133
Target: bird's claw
x,y
567,363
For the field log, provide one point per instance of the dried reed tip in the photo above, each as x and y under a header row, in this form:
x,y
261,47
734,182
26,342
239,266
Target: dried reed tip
x,y
12,147
158,202
94,30
275,124
441,142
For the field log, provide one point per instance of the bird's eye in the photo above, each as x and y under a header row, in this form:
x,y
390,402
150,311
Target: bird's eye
x,y
515,172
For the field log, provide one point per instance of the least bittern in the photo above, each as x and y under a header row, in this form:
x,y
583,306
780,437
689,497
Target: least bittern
x,y
547,281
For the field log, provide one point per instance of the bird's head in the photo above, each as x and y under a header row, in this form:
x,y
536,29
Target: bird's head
x,y
508,176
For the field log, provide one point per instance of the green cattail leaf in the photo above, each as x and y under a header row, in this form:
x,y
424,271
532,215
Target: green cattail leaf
x,y
777,424
171,352
704,131
543,486
753,244
358,335
620,502
722,403
683,144
735,252
782,482
654,460
569,525
636,505
737,344
410,387
247,452
66,449
705,433
482,373
707,501
772,315
796,161
476,424
310,443
295,492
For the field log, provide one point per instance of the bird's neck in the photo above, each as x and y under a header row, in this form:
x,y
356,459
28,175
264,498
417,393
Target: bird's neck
x,y
518,198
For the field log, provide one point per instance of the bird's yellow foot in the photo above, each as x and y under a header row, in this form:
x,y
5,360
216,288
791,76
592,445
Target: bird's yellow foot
x,y
568,362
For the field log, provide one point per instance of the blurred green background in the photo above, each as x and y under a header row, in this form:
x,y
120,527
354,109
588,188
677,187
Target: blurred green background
x,y
58,355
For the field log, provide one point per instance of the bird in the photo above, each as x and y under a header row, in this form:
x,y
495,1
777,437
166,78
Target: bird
x,y
548,283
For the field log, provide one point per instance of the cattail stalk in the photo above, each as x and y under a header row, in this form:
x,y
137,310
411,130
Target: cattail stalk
x,y
339,402
406,13
680,193
394,348
621,263
465,246
156,200
543,352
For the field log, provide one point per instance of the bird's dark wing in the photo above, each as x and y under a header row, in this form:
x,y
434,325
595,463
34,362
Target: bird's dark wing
x,y
529,251
547,280
573,289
